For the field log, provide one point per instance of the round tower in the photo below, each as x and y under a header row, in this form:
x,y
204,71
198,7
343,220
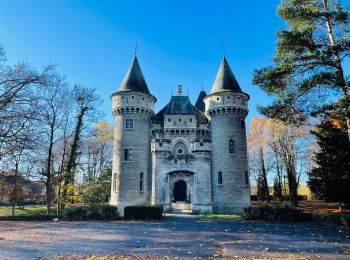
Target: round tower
x,y
227,108
132,107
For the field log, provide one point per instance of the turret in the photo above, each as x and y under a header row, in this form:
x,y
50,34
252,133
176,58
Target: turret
x,y
227,108
132,107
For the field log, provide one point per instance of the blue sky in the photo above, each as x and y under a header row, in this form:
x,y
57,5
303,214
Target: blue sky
x,y
179,42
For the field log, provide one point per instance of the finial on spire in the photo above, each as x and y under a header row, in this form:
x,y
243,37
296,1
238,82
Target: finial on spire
x,y
223,48
136,48
202,84
179,90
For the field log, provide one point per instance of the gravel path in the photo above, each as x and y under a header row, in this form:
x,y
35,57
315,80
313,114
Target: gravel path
x,y
178,235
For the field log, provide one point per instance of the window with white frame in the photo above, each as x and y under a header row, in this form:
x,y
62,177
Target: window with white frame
x,y
128,154
129,123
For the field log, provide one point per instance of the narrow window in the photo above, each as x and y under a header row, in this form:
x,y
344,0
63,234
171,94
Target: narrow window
x,y
190,120
201,143
114,182
141,182
231,146
220,178
246,178
180,120
242,124
128,155
169,120
129,123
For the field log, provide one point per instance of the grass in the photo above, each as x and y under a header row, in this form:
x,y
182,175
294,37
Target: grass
x,y
219,217
25,210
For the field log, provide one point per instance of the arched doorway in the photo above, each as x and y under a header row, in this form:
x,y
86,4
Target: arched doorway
x,y
180,191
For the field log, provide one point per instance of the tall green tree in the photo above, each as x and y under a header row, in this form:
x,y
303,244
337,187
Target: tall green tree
x,y
307,74
330,179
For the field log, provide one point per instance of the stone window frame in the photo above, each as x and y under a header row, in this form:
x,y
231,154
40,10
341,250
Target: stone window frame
x,y
180,120
141,187
128,155
178,151
220,182
231,147
129,123
114,185
246,175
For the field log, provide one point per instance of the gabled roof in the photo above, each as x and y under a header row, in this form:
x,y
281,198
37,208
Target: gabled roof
x,y
179,105
225,80
134,79
200,103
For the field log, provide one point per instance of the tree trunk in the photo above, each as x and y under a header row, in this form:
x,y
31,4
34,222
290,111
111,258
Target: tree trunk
x,y
69,175
293,187
14,193
48,172
340,70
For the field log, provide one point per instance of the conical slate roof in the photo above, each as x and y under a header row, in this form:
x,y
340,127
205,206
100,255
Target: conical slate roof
x,y
225,80
200,103
134,79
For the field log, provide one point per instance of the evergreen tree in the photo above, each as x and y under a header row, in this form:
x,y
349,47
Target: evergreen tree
x,y
277,189
263,188
307,71
330,179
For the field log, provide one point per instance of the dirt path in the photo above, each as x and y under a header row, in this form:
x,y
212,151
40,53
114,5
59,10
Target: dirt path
x,y
179,235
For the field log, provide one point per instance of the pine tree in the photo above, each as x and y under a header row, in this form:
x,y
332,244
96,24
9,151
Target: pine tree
x,y
330,179
307,71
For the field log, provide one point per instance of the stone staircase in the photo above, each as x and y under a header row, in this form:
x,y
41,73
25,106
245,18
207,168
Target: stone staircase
x,y
181,207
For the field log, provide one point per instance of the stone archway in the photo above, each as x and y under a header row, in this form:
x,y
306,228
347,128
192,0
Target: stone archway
x,y
181,188
180,191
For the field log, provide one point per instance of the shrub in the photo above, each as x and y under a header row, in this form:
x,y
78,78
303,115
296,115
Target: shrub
x,y
104,212
109,212
75,213
267,212
331,218
143,212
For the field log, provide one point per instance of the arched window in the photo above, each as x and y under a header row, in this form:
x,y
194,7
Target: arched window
x,y
231,146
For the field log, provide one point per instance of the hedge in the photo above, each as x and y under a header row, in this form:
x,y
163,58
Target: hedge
x,y
29,218
285,212
143,212
104,212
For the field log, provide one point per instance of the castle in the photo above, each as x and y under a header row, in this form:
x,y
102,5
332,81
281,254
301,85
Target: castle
x,y
184,156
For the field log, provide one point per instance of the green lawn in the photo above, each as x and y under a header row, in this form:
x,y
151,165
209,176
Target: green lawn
x,y
25,210
219,217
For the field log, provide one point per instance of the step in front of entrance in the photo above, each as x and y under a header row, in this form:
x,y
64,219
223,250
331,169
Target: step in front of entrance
x,y
181,207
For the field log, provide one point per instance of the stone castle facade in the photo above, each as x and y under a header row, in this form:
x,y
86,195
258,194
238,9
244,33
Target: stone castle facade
x,y
184,156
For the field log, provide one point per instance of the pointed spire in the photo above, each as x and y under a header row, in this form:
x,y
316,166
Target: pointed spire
x,y
134,79
225,80
200,103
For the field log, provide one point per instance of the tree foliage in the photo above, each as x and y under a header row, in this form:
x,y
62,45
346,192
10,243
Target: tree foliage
x,y
330,178
307,75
